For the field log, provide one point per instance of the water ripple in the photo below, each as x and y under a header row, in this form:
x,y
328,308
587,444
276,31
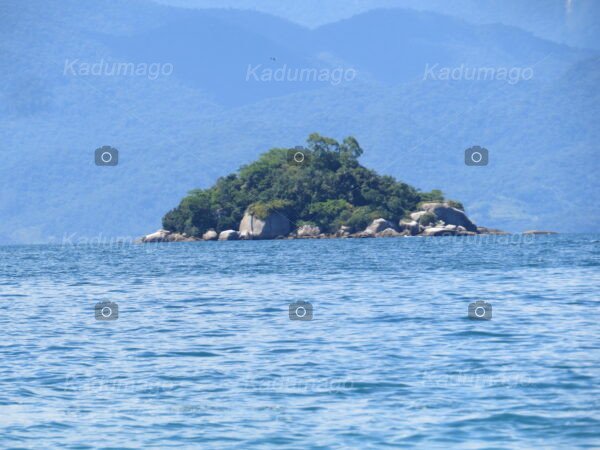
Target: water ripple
x,y
203,354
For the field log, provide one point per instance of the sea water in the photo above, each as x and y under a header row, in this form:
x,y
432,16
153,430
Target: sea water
x,y
204,354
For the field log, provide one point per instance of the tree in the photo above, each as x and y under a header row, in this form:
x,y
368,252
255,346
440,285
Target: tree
x,y
330,189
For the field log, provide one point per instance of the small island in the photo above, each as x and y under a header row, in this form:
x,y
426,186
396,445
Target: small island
x,y
317,191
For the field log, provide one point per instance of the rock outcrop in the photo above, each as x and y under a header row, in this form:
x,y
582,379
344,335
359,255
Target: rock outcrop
x,y
539,232
417,215
388,232
308,231
439,231
229,235
362,234
343,232
379,225
274,225
165,236
450,215
210,235
485,230
411,227
433,219
158,236
426,206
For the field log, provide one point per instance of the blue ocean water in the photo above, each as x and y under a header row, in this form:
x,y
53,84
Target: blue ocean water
x,y
204,354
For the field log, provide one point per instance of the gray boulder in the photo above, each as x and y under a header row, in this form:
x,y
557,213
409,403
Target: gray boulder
x,y
344,231
308,231
245,235
452,216
388,232
438,231
274,225
210,235
176,237
417,215
462,231
158,236
378,225
411,227
362,234
486,230
229,235
428,206
166,236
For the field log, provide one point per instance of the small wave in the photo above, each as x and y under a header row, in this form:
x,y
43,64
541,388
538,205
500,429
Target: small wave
x,y
197,354
479,333
362,386
528,419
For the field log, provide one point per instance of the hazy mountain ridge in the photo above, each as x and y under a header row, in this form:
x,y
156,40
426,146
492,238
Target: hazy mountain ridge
x,y
181,132
565,21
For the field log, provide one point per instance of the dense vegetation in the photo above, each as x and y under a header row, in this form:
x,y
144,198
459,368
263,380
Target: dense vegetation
x,y
329,189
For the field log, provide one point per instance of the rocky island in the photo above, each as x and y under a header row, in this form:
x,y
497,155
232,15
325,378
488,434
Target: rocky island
x,y
312,192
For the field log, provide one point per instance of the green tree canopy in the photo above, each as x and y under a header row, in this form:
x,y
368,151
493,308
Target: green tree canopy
x,y
329,188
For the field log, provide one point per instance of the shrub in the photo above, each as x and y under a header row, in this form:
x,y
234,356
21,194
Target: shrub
x,y
362,217
434,196
428,218
328,214
455,204
262,210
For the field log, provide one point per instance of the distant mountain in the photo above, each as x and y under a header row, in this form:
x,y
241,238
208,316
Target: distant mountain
x,y
572,22
208,117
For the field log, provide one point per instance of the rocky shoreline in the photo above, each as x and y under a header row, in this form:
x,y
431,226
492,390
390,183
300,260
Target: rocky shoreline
x,y
432,219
